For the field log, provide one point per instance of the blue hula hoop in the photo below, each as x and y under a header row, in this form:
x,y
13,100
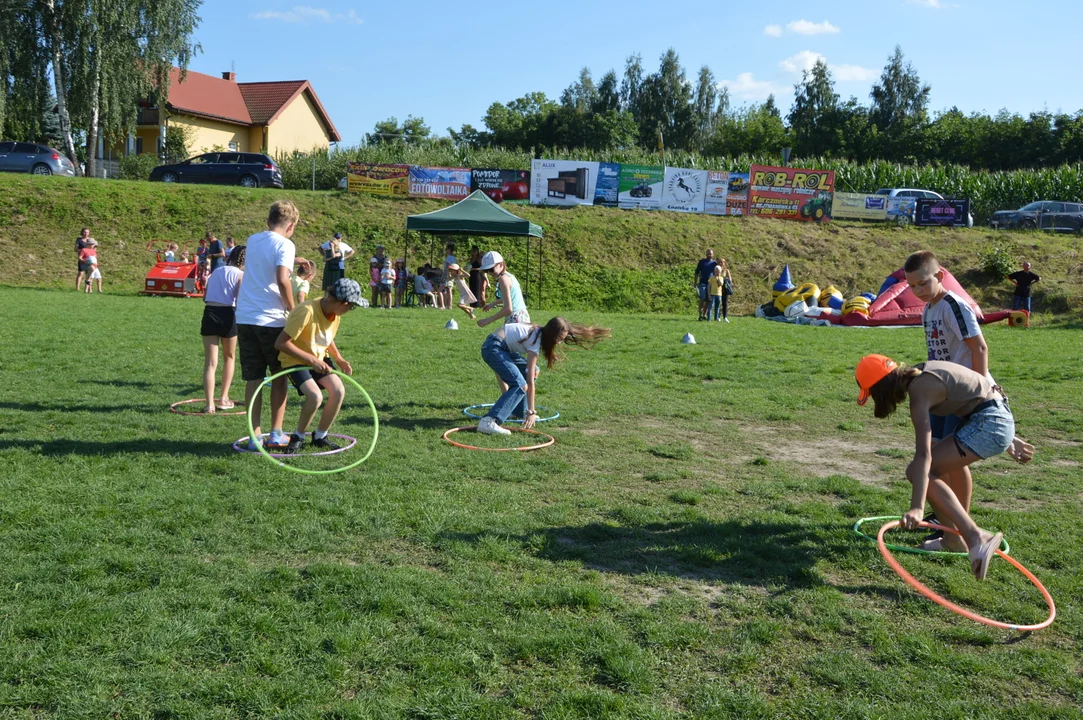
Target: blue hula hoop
x,y
466,411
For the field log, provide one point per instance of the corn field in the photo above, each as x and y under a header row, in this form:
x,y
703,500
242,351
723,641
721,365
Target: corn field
x,y
988,191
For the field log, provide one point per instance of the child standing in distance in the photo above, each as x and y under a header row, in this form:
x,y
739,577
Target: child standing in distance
x,y
423,289
387,283
504,352
301,282
446,282
466,298
401,278
307,339
219,327
937,389
88,262
95,274
952,334
716,286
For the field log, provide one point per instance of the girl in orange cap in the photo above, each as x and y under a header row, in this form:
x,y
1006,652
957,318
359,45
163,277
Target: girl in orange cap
x,y
987,429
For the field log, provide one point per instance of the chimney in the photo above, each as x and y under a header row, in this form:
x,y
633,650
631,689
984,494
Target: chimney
x,y
231,76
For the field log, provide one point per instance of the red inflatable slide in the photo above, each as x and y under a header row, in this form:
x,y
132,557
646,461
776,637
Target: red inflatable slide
x,y
897,305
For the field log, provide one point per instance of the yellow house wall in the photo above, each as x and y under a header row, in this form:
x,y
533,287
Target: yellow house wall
x,y
255,139
297,128
207,134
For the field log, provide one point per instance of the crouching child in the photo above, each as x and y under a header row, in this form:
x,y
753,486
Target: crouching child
x,y
309,339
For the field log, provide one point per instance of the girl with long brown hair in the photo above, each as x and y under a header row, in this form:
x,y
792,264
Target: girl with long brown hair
x,y
512,352
987,429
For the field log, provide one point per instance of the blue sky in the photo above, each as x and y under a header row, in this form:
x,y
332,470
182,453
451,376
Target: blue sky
x,y
447,62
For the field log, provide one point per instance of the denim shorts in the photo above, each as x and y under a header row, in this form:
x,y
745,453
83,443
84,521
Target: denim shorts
x,y
988,432
702,290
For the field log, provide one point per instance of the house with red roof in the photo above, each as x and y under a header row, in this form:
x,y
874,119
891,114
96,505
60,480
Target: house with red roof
x,y
219,113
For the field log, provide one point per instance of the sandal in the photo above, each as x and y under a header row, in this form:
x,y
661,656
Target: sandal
x,y
983,554
226,405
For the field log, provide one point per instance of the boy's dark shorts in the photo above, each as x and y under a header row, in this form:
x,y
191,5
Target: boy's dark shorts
x,y
257,350
385,288
300,377
219,322
943,425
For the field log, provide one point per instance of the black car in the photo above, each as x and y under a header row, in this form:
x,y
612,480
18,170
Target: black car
x,y
642,190
1043,215
223,168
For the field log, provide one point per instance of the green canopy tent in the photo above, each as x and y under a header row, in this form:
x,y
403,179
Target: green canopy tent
x,y
477,216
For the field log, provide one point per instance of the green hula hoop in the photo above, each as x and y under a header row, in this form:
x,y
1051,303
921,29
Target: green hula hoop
x,y
303,471
916,551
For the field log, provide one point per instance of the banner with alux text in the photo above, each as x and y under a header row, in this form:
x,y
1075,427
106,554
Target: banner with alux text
x,y
442,183
932,212
378,178
859,206
562,182
684,190
640,187
791,193
510,186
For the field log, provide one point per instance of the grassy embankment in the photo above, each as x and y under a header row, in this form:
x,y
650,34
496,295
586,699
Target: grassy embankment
x,y
595,258
683,552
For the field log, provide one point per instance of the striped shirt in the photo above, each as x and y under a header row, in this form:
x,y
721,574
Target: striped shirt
x,y
949,322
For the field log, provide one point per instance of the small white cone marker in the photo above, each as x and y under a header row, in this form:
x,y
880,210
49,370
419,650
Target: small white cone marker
x,y
688,339
452,325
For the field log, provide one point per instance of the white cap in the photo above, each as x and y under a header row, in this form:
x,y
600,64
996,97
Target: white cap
x,y
490,260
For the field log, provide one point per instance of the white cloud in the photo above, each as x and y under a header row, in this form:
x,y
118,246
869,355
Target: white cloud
x,y
852,73
801,62
307,13
934,4
805,27
747,87
773,31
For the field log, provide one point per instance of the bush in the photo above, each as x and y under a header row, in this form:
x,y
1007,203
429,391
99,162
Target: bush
x,y
137,167
997,261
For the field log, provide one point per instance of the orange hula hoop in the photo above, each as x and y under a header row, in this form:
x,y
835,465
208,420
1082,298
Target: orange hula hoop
x,y
552,440
952,606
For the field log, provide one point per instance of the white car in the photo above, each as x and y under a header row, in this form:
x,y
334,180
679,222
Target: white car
x,y
907,209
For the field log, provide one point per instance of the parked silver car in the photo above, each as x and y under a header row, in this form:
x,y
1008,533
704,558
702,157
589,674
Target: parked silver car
x,y
34,158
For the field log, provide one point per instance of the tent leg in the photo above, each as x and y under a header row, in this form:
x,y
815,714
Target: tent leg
x,y
527,276
541,267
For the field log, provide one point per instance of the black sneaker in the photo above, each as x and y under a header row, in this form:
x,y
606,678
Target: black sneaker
x,y
296,443
325,443
935,534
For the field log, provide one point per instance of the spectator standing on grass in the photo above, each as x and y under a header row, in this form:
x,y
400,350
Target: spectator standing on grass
x,y
704,271
1023,279
376,264
335,254
446,281
88,260
716,291
263,304
301,282
216,252
81,268
230,244
479,281
95,274
401,278
219,327
387,283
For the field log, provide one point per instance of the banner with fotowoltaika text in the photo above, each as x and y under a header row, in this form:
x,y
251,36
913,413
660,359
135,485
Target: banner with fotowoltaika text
x,y
378,178
791,193
442,183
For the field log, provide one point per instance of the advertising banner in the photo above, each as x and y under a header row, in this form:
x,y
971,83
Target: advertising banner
x,y
439,182
900,207
378,178
859,206
605,192
562,182
932,212
510,186
641,187
718,183
737,194
684,190
791,193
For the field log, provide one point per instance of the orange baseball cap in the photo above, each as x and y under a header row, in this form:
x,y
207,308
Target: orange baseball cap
x,y
871,370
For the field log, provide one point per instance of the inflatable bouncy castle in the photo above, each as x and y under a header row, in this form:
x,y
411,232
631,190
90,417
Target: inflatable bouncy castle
x,y
895,304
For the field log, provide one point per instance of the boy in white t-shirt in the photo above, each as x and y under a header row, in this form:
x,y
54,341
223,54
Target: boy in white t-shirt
x,y
387,283
952,334
263,303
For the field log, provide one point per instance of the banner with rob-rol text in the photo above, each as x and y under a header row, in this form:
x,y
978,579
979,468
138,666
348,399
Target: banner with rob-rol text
x,y
378,178
859,206
641,187
562,182
439,182
791,193
684,190
510,186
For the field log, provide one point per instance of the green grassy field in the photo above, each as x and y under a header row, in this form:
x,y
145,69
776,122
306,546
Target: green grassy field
x,y
595,259
684,551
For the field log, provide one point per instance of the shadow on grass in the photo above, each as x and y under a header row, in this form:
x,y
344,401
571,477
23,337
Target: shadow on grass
x,y
749,553
182,388
87,448
36,407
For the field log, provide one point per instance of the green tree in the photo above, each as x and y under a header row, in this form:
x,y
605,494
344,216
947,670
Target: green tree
x,y
813,117
388,132
709,106
608,93
632,84
665,105
523,123
899,103
582,95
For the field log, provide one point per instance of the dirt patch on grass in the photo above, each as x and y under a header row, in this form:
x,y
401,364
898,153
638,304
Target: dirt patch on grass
x,y
1060,442
822,457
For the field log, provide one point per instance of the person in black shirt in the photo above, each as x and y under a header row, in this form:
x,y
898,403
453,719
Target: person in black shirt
x,y
704,271
216,252
1023,279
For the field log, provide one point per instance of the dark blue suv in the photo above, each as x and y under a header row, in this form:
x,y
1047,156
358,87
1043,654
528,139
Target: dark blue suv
x,y
223,168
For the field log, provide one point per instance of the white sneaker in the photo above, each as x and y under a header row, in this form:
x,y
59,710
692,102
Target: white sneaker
x,y
488,426
725,319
